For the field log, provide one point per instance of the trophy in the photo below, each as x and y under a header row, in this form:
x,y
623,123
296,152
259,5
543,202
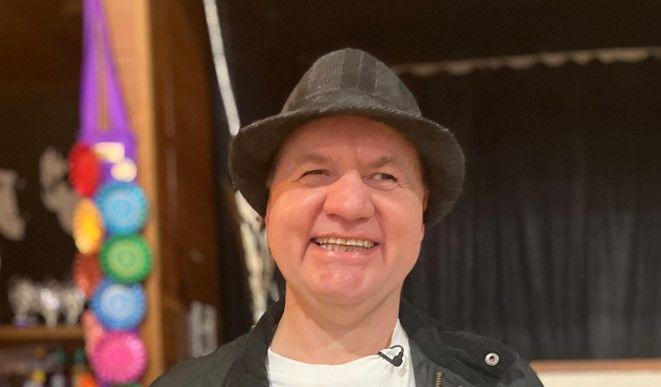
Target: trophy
x,y
49,302
24,299
72,302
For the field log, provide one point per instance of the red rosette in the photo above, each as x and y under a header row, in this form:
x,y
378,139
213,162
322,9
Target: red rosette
x,y
119,357
84,169
87,273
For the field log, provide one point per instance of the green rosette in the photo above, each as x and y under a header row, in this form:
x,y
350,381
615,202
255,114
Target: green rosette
x,y
126,259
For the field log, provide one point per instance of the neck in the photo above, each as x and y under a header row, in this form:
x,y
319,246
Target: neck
x,y
334,334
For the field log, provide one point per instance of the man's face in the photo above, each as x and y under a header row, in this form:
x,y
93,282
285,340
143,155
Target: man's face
x,y
344,216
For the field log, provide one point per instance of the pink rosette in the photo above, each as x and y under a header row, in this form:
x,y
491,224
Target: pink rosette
x,y
119,357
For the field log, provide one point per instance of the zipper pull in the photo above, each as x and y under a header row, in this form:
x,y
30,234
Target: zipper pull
x,y
439,380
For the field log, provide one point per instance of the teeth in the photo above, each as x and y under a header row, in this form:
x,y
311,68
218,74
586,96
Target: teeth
x,y
333,243
341,248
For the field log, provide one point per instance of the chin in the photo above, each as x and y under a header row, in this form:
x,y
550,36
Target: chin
x,y
347,292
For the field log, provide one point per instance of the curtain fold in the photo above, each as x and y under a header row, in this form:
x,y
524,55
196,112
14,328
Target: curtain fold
x,y
554,246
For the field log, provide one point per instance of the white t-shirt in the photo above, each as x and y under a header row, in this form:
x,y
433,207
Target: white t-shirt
x,y
368,371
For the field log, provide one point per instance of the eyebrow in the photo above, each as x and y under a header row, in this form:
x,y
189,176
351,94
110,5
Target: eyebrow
x,y
313,157
317,158
383,160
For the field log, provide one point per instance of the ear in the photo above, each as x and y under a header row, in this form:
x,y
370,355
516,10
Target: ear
x,y
425,202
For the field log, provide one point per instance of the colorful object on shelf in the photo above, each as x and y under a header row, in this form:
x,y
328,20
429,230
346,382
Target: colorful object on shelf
x,y
84,169
80,374
126,259
87,380
118,306
123,206
87,273
87,227
119,357
57,378
37,378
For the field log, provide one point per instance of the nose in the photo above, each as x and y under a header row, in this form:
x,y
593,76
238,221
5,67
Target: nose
x,y
349,198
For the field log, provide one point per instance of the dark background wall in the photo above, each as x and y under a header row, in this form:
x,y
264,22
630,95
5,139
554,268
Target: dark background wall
x,y
40,47
552,246
269,44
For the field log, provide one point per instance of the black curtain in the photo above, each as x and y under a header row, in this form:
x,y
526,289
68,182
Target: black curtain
x,y
235,298
555,245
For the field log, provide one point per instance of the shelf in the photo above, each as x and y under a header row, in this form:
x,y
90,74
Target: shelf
x,y
12,334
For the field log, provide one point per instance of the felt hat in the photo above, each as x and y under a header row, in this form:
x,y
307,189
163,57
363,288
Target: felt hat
x,y
350,82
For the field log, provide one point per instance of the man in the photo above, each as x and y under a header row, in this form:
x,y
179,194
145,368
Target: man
x,y
346,177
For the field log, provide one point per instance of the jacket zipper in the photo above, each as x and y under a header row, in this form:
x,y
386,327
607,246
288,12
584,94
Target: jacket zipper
x,y
439,381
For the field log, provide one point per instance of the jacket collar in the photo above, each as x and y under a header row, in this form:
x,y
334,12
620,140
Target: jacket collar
x,y
249,367
461,352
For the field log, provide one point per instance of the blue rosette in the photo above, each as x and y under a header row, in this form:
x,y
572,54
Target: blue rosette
x,y
123,207
119,306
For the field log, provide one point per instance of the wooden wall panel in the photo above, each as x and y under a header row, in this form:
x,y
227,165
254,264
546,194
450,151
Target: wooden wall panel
x,y
162,58
129,24
185,144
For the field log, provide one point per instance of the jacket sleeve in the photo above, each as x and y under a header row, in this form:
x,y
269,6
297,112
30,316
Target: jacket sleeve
x,y
520,374
210,370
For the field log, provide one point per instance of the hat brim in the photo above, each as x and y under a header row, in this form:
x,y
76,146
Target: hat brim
x,y
254,147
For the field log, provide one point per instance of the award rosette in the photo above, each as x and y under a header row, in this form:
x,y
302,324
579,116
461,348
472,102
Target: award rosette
x,y
87,273
84,169
123,206
87,227
126,259
119,357
119,306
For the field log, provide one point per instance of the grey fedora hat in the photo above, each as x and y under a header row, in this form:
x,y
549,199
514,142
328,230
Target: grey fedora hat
x,y
350,82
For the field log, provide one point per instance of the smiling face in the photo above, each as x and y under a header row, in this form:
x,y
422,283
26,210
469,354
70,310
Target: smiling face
x,y
344,216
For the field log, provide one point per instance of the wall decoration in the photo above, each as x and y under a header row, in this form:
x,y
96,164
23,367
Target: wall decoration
x,y
113,258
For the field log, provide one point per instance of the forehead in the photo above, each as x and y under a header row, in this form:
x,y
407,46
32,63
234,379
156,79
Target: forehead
x,y
370,140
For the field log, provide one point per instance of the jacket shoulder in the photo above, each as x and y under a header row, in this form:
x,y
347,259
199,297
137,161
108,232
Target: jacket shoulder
x,y
499,363
202,371
478,359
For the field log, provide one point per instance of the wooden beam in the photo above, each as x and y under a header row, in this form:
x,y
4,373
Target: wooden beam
x,y
130,30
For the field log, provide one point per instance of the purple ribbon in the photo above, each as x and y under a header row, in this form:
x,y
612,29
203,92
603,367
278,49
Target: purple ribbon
x,y
100,88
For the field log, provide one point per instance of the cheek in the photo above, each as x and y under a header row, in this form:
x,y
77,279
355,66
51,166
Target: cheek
x,y
402,225
291,214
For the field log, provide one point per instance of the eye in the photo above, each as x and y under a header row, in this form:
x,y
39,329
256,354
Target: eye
x,y
382,181
315,172
315,177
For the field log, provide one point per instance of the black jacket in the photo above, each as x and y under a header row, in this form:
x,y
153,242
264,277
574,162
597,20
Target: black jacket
x,y
440,358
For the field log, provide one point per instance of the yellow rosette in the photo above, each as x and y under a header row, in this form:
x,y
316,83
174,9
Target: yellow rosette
x,y
87,227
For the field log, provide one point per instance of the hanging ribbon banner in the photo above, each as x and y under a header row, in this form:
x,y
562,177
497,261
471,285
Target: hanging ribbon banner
x,y
113,258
